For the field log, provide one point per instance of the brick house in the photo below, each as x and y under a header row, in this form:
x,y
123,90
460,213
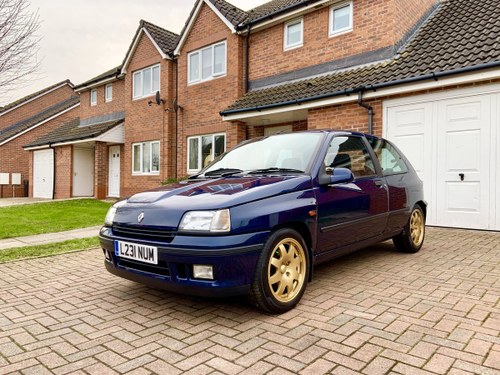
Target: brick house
x,y
121,142
424,74
22,122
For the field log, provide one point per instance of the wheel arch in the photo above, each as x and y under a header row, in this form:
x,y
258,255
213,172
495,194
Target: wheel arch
x,y
303,230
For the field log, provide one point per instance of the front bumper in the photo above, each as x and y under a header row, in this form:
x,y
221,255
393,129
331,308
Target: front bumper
x,y
233,259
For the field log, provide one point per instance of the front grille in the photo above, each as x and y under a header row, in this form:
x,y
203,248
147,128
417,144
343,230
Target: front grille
x,y
147,234
158,269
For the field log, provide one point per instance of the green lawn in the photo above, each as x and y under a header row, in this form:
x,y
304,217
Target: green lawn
x,y
49,249
26,220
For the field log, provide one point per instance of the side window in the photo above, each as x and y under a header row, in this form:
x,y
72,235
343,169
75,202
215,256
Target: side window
x,y
390,160
350,152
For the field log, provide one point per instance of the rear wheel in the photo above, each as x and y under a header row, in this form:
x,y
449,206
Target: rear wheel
x,y
411,239
282,270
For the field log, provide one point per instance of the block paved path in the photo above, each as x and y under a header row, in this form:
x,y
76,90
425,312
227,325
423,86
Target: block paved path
x,y
373,312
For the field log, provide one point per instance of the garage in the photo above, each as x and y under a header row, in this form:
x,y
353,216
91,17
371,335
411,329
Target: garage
x,y
43,173
451,138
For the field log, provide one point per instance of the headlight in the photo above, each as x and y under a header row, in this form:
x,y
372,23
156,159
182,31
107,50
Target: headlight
x,y
110,216
206,221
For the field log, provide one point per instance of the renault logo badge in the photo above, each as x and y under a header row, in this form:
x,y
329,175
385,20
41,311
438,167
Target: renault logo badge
x,y
140,218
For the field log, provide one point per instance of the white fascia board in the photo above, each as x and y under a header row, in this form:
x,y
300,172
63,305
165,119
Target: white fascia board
x,y
486,75
96,84
36,97
193,19
39,124
162,54
288,15
123,71
75,142
221,16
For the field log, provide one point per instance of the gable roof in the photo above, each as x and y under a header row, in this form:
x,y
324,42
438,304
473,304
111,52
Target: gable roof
x,y
11,106
461,36
73,131
25,125
164,41
231,15
97,80
273,8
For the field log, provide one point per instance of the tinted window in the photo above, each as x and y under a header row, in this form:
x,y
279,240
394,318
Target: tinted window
x,y
350,153
390,160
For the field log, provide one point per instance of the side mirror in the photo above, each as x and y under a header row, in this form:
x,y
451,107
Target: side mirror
x,y
336,176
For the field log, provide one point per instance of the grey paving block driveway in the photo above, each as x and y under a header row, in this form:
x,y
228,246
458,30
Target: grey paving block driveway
x,y
373,312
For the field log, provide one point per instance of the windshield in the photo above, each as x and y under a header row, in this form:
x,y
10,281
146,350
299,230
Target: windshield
x,y
278,153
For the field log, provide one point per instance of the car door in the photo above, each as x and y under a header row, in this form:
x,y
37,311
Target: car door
x,y
349,213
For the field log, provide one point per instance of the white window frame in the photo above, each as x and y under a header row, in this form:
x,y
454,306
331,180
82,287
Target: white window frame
x,y
141,73
107,98
141,145
199,151
200,64
286,45
344,30
93,100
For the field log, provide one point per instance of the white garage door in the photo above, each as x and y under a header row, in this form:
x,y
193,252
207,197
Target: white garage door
x,y
43,173
451,138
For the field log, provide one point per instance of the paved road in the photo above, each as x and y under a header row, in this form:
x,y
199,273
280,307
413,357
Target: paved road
x,y
373,312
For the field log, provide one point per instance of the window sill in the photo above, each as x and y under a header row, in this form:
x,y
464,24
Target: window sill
x,y
207,80
138,174
339,32
144,97
291,48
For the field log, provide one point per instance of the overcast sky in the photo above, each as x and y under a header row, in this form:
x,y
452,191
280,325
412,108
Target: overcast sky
x,y
83,38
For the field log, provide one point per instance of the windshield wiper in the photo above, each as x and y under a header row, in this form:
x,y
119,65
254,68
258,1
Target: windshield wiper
x,y
275,170
222,172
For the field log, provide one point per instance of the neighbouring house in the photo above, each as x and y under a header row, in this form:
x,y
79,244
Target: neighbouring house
x,y
22,122
425,74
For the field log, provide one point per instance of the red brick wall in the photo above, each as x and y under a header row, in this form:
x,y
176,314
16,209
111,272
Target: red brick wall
x,y
64,172
101,161
346,117
13,158
103,107
146,122
32,108
203,101
407,13
377,24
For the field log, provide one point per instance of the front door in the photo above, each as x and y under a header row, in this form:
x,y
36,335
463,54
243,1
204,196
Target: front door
x,y
350,213
43,173
83,172
114,171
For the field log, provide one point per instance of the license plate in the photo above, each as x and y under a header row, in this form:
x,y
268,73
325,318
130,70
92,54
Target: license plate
x,y
135,251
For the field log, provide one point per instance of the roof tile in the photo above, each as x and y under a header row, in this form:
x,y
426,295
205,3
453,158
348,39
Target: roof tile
x,y
436,47
25,124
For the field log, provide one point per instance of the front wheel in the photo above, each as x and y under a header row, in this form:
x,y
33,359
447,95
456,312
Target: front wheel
x,y
411,239
281,274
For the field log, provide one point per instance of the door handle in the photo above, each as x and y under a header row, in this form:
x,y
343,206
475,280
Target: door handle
x,y
379,184
462,176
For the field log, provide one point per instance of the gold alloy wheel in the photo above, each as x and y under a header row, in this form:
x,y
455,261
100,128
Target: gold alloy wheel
x,y
286,269
417,227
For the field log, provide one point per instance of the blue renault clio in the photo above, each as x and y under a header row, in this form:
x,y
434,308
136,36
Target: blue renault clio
x,y
260,217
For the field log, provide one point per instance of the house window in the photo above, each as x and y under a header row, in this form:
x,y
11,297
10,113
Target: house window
x,y
146,158
146,82
294,33
108,92
93,97
203,149
207,63
341,18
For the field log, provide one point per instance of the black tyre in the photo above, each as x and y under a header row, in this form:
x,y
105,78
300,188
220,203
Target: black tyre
x,y
282,272
411,239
